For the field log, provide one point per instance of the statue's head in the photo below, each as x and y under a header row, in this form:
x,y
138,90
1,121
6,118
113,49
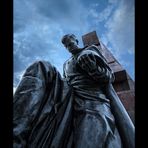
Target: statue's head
x,y
70,42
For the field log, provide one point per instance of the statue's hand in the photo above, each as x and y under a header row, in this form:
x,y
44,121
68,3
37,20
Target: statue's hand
x,y
88,62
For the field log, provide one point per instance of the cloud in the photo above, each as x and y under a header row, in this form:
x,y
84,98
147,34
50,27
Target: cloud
x,y
120,28
117,24
99,17
119,34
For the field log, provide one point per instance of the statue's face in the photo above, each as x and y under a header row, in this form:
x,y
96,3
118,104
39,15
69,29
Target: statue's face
x,y
71,44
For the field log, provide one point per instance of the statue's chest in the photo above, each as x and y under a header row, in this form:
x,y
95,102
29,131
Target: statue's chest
x,y
71,67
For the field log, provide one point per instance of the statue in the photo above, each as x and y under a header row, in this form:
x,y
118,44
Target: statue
x,y
79,110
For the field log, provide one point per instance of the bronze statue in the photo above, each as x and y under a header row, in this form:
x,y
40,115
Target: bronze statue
x,y
77,111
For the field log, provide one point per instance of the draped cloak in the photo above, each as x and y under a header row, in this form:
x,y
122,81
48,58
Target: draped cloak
x,y
52,112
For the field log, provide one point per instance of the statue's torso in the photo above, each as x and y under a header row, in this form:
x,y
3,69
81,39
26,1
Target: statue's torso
x,y
75,75
81,81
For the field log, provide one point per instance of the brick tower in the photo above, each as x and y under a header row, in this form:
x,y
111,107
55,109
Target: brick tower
x,y
123,84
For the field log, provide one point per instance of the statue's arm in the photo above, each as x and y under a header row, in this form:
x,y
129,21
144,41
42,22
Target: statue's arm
x,y
95,69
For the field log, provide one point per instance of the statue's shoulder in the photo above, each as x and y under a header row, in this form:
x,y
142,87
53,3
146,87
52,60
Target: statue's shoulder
x,y
94,48
90,50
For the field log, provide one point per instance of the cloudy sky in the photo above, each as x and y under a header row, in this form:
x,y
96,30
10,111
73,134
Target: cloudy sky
x,y
40,24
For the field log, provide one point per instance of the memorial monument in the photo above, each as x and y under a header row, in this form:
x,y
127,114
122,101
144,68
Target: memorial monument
x,y
80,110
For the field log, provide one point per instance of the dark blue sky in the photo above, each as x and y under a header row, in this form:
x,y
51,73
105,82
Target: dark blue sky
x,y
40,24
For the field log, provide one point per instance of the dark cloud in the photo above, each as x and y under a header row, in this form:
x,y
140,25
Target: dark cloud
x,y
66,12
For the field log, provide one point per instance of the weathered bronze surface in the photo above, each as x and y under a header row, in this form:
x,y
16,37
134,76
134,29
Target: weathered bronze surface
x,y
80,110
